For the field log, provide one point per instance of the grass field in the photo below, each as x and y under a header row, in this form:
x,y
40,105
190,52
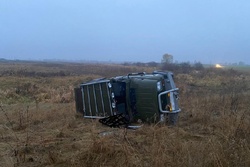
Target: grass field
x,y
39,125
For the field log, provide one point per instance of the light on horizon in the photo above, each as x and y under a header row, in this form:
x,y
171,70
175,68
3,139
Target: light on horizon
x,y
218,66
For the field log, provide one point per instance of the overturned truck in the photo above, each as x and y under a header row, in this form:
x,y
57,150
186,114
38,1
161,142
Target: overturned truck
x,y
124,100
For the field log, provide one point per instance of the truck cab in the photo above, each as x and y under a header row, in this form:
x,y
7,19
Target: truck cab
x,y
146,97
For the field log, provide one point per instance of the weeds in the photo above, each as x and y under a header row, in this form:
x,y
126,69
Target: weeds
x,y
44,130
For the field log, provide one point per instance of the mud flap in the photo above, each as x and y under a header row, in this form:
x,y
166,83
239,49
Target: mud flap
x,y
78,100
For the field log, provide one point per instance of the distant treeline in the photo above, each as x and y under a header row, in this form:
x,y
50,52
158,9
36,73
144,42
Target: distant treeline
x,y
60,69
185,67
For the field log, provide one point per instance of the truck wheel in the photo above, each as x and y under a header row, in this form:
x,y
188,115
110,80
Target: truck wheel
x,y
173,118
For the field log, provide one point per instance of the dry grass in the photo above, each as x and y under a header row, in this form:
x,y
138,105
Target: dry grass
x,y
213,128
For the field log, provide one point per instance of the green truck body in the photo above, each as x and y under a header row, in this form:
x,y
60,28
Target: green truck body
x,y
138,96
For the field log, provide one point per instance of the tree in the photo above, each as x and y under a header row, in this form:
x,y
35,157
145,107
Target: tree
x,y
167,58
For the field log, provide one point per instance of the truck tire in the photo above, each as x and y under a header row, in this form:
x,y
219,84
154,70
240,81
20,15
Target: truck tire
x,y
173,118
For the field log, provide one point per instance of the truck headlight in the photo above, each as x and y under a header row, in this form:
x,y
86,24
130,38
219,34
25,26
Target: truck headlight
x,y
109,85
113,105
159,86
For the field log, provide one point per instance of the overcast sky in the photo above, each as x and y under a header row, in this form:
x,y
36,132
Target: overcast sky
x,y
209,31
